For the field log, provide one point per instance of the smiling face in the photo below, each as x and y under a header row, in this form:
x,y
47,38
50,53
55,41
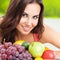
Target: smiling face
x,y
29,18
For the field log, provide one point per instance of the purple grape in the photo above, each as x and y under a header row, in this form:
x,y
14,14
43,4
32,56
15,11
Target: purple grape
x,y
0,54
9,57
3,50
4,56
11,50
7,44
8,52
17,54
20,56
29,58
24,58
14,52
17,58
17,45
13,58
24,55
21,49
28,54
1,46
0,57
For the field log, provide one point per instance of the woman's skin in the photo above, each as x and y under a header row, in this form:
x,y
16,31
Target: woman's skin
x,y
51,36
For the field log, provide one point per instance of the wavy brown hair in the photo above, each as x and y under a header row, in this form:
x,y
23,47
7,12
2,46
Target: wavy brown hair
x,y
13,16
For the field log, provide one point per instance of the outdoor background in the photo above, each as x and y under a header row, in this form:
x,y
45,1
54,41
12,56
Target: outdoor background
x,y
51,14
51,8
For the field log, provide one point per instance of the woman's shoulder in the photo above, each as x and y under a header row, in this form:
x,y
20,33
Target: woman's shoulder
x,y
0,36
1,18
0,39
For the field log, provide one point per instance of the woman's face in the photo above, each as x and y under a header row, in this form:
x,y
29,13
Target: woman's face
x,y
29,18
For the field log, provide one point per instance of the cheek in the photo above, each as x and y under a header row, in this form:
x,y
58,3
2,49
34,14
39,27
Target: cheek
x,y
35,23
23,20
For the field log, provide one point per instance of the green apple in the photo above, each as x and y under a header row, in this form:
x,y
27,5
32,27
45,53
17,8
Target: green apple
x,y
36,49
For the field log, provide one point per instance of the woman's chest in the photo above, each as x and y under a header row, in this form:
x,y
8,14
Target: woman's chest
x,y
29,38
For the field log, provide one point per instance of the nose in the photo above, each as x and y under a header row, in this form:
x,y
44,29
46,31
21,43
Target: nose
x,y
29,21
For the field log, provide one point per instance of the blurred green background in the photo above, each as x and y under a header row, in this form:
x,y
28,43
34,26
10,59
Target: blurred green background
x,y
51,8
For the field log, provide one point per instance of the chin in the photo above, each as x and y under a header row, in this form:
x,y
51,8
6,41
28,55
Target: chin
x,y
25,33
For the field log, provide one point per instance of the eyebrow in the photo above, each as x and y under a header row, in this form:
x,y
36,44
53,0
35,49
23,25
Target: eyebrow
x,y
28,14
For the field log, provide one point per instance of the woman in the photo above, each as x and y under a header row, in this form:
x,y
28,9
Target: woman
x,y
24,21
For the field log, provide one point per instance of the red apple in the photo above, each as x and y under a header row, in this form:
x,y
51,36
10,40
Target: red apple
x,y
48,54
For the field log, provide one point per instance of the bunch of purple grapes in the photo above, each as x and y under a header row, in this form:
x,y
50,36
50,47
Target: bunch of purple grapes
x,y
8,51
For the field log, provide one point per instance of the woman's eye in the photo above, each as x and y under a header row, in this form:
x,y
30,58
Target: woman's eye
x,y
24,15
35,17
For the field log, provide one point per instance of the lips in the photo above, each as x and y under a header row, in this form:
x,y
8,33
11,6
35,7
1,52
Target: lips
x,y
26,29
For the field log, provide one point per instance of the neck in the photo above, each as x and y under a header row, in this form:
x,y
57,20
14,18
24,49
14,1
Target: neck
x,y
23,37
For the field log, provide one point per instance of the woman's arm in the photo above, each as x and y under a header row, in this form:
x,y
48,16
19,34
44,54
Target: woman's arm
x,y
1,18
51,36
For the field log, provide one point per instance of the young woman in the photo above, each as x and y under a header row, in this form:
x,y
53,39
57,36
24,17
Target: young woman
x,y
24,21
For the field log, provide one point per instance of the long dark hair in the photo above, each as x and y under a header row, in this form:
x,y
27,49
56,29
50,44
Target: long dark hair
x,y
13,16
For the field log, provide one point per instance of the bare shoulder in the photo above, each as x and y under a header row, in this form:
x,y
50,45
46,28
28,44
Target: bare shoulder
x,y
0,39
0,36
1,18
51,36
47,34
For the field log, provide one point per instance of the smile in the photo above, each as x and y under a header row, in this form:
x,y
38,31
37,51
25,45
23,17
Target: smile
x,y
26,29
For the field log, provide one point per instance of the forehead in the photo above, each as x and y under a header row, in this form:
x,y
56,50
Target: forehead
x,y
33,8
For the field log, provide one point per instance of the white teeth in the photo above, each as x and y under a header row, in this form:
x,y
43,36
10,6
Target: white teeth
x,y
26,29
